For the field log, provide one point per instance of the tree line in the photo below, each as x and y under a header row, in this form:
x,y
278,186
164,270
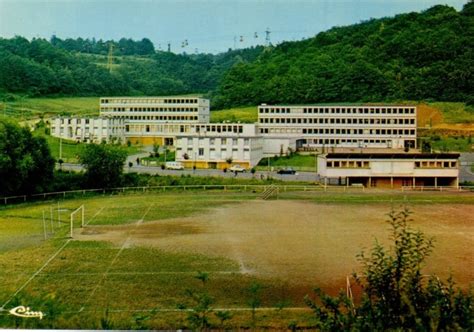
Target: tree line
x,y
65,68
125,46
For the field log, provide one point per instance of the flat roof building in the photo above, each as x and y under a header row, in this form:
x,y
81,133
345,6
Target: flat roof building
x,y
348,126
220,146
390,170
94,130
155,120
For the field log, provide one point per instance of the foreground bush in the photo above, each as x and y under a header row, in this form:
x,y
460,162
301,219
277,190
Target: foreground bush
x,y
395,294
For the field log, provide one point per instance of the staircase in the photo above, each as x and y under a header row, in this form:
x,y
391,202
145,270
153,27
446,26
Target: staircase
x,y
267,193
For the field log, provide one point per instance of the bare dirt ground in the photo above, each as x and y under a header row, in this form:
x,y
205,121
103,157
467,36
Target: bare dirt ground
x,y
303,243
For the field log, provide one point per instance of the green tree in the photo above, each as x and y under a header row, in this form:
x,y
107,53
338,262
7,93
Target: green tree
x,y
104,164
395,295
26,164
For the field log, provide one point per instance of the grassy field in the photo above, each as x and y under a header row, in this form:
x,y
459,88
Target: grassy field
x,y
296,161
71,149
32,108
136,261
242,114
455,112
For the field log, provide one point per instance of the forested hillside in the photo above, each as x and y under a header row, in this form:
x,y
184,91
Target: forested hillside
x,y
41,68
414,56
428,55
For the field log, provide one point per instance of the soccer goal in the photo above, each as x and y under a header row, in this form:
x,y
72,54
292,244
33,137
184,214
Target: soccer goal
x,y
80,212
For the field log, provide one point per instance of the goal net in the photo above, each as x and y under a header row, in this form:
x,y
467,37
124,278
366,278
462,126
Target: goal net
x,y
77,217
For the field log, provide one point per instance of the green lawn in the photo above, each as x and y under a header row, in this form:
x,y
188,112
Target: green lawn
x,y
242,114
455,112
31,108
296,161
451,144
71,149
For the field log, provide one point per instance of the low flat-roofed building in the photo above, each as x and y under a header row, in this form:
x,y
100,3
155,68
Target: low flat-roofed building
x,y
220,145
390,170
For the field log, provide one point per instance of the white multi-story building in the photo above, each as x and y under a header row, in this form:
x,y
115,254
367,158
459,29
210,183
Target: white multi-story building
x,y
155,120
390,170
220,145
89,129
350,126
140,120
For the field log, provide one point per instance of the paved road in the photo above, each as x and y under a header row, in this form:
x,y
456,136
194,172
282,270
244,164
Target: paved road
x,y
465,173
300,176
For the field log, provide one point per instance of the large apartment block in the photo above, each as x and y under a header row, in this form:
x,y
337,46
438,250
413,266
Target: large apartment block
x,y
150,120
220,146
337,126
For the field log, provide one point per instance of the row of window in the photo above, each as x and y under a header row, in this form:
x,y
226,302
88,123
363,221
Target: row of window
x,y
394,121
436,164
359,131
347,164
148,101
342,131
163,117
366,164
157,128
213,154
150,109
358,142
219,129
78,121
339,110
213,141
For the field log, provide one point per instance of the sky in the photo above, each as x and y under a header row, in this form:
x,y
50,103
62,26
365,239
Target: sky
x,y
209,26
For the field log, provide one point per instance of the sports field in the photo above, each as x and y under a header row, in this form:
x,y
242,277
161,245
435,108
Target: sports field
x,y
138,255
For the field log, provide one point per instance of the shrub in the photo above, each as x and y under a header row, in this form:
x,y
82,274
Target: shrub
x,y
395,295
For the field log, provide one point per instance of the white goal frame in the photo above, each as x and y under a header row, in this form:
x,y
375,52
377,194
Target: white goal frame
x,y
79,209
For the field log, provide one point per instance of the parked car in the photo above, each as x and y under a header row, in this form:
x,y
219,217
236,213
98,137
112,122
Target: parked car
x,y
174,165
288,170
237,168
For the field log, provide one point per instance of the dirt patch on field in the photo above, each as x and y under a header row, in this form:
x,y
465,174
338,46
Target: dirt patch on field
x,y
302,242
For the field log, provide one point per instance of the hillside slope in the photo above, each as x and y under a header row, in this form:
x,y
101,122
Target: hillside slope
x,y
41,68
415,56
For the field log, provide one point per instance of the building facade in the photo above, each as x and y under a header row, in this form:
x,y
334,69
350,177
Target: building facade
x,y
88,130
139,120
390,170
155,120
220,146
314,126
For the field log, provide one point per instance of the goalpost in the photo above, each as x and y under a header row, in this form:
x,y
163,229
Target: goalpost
x,y
79,209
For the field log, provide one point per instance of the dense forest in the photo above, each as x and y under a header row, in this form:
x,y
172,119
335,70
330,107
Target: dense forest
x,y
44,68
427,55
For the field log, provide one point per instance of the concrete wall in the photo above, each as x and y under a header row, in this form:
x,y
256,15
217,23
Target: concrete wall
x,y
274,146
